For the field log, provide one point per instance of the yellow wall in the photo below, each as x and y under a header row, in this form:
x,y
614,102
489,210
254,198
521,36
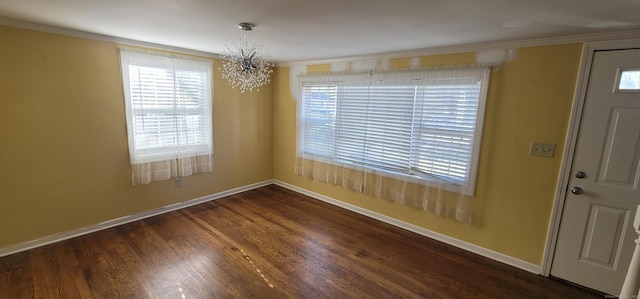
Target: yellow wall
x,y
529,100
63,147
64,159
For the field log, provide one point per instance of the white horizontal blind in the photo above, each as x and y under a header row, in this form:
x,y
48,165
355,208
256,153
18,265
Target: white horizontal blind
x,y
318,116
421,123
444,133
374,126
168,105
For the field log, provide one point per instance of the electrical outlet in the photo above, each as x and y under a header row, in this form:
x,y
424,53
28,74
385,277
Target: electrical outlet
x,y
178,182
542,149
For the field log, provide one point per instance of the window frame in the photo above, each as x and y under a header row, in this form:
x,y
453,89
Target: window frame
x,y
180,66
412,175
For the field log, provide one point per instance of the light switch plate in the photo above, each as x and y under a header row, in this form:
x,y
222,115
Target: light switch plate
x,y
542,149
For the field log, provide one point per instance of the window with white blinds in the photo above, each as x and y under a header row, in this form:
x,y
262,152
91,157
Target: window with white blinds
x,y
168,106
425,123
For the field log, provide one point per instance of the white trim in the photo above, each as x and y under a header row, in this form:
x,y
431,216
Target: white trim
x,y
566,161
529,267
478,47
505,259
571,138
126,219
99,37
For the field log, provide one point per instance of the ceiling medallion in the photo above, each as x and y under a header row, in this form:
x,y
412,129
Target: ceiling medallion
x,y
245,64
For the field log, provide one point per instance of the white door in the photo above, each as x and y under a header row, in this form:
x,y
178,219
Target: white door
x,y
596,237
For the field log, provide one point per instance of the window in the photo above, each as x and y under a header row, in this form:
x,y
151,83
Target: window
x,y
628,80
424,124
168,106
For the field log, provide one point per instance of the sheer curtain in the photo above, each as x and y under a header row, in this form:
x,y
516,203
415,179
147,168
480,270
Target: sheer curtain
x,y
408,136
145,173
168,108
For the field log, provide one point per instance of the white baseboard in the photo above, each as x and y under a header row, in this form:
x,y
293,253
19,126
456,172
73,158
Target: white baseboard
x,y
126,219
529,267
505,259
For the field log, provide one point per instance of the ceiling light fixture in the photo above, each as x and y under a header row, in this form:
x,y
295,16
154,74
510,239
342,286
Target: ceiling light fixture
x,y
245,64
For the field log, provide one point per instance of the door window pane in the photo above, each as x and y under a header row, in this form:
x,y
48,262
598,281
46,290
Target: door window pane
x,y
629,80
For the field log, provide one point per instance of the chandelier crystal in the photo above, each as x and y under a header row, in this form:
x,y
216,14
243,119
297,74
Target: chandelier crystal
x,y
245,64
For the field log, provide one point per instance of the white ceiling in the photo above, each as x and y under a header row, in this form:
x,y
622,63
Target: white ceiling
x,y
298,30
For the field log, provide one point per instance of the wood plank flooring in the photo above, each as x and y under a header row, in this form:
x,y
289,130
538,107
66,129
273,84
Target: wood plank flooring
x,y
266,243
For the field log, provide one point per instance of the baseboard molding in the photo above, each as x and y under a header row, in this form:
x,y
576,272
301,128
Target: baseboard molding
x,y
505,259
126,219
526,266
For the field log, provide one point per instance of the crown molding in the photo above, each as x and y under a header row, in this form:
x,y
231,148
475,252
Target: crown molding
x,y
475,47
100,37
486,46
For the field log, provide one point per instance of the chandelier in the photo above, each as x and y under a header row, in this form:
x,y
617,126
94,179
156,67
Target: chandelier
x,y
245,65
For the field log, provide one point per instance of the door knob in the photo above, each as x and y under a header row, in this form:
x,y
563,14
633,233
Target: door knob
x,y
580,174
576,190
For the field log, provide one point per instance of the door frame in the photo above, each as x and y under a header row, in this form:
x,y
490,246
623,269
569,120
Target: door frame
x,y
571,137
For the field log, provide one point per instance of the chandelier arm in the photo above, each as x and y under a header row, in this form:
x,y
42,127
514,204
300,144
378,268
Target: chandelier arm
x,y
246,66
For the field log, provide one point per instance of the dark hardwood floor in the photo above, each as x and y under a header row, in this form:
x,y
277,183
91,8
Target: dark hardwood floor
x,y
266,243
